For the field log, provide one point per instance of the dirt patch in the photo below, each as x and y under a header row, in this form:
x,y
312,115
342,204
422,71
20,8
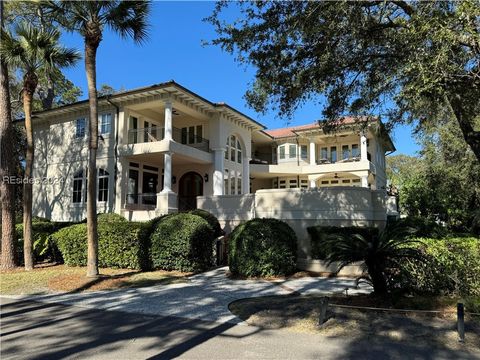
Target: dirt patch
x,y
301,313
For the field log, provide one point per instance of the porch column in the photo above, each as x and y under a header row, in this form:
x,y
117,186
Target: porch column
x,y
218,171
167,173
363,147
168,120
312,153
246,175
365,181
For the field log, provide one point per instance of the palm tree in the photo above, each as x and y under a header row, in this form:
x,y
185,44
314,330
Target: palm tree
x,y
128,19
32,50
380,254
7,191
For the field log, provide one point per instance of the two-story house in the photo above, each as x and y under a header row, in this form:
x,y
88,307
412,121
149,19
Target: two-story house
x,y
163,146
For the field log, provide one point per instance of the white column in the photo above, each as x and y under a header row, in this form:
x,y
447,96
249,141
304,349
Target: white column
x,y
313,184
168,120
363,147
246,176
167,173
365,181
312,153
218,171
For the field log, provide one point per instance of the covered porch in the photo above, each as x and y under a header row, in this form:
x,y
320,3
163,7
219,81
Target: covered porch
x,y
163,182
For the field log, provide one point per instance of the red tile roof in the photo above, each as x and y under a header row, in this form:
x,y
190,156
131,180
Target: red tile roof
x,y
291,131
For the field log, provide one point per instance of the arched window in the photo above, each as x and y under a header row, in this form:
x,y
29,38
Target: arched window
x,y
233,150
102,185
78,179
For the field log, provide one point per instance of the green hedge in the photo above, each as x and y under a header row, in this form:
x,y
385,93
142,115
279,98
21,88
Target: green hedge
x,y
211,219
121,244
262,247
43,247
182,242
452,267
319,233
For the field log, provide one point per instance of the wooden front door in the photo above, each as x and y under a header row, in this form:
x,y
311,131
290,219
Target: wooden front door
x,y
189,187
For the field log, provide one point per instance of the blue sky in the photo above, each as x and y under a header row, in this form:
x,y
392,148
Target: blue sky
x,y
174,51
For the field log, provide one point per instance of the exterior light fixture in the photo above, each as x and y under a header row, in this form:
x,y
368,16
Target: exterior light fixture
x,y
206,177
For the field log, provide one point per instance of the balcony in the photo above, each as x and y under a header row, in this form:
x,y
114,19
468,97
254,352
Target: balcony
x,y
154,134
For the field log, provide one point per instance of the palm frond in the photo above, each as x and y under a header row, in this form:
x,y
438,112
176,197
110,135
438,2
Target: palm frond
x,y
129,19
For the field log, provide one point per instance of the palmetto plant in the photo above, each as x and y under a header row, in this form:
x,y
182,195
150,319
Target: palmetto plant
x,y
89,18
31,50
380,254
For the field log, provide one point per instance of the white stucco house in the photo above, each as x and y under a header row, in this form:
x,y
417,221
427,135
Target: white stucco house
x,y
164,149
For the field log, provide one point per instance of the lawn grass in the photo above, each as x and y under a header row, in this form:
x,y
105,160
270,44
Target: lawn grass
x,y
60,278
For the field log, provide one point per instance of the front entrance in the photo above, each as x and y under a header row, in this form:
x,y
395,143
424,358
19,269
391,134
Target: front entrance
x,y
189,187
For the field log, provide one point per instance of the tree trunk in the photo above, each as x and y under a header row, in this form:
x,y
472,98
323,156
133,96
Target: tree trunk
x,y
465,122
92,235
7,189
30,83
378,279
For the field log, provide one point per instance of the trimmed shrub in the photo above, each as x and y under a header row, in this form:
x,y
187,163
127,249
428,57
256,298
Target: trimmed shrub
x,y
43,247
121,244
182,242
110,218
318,235
452,267
262,247
211,219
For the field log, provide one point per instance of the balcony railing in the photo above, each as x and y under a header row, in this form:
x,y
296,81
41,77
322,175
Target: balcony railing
x,y
152,134
268,159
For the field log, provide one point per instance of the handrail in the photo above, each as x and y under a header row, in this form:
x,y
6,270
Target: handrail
x,y
153,134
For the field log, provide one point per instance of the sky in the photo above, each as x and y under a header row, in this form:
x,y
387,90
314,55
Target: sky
x,y
174,51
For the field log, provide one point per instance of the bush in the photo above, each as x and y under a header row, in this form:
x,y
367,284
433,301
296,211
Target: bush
x,y
262,247
319,234
43,246
212,221
182,242
110,218
452,267
121,244
423,227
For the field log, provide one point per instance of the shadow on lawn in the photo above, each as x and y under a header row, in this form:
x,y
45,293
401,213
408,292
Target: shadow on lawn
x,y
76,283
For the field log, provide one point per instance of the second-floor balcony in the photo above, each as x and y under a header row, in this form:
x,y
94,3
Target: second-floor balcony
x,y
154,134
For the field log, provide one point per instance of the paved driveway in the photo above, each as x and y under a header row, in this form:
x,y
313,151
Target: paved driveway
x,y
204,297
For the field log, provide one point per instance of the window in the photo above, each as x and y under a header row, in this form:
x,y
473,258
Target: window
x,y
345,152
78,179
80,127
333,154
192,134
324,153
225,182
105,123
233,149
355,152
304,152
132,133
132,187
239,152
239,185
293,151
146,124
282,152
102,185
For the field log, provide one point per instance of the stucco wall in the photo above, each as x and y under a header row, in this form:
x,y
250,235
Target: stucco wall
x,y
301,208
